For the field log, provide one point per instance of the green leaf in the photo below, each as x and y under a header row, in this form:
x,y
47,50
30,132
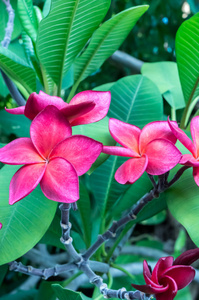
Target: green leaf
x,y
27,18
182,200
65,31
187,41
135,100
21,295
17,69
14,124
105,41
64,294
84,207
25,222
3,271
165,76
98,131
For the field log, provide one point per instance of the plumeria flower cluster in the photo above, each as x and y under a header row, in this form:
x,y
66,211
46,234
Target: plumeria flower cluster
x,y
169,275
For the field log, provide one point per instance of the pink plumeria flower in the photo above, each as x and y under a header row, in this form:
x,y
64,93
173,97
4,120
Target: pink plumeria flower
x,y
51,157
1,225
150,149
192,159
84,108
169,275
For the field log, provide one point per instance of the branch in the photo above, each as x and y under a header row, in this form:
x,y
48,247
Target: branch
x,y
5,43
126,60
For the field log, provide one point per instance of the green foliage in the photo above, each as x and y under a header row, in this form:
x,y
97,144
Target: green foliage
x,y
58,48
23,223
64,294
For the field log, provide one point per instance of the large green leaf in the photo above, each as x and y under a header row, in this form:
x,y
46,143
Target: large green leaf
x,y
182,200
100,132
187,41
25,222
17,69
135,100
65,31
64,294
14,124
106,40
27,18
165,76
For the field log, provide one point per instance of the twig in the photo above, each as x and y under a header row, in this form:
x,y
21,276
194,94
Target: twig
x,y
127,60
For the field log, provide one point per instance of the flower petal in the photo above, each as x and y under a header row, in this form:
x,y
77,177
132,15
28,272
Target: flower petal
x,y
187,257
194,127
149,289
172,290
60,181
183,138
162,156
162,264
19,152
189,160
196,175
25,181
72,112
125,134
80,151
131,170
16,111
120,151
48,129
182,275
36,103
146,269
156,130
102,102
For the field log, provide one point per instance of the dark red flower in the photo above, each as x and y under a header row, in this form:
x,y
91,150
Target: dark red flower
x,y
169,275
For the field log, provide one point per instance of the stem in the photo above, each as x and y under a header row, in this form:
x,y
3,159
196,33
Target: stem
x,y
123,270
67,282
183,120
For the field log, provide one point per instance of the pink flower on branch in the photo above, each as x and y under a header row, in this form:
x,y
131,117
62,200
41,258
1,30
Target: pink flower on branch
x,y
85,107
169,275
191,160
150,149
51,157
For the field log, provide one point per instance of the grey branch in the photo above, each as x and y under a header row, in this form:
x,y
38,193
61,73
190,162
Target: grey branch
x,y
126,60
5,43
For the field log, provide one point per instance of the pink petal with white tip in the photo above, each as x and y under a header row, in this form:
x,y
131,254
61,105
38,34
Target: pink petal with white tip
x,y
183,138
125,134
156,130
16,111
60,181
80,151
49,128
72,112
194,126
36,103
131,170
19,152
162,156
25,181
120,151
182,275
102,102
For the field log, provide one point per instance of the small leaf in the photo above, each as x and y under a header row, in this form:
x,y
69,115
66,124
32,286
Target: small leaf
x,y
64,294
25,222
106,40
17,69
27,18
